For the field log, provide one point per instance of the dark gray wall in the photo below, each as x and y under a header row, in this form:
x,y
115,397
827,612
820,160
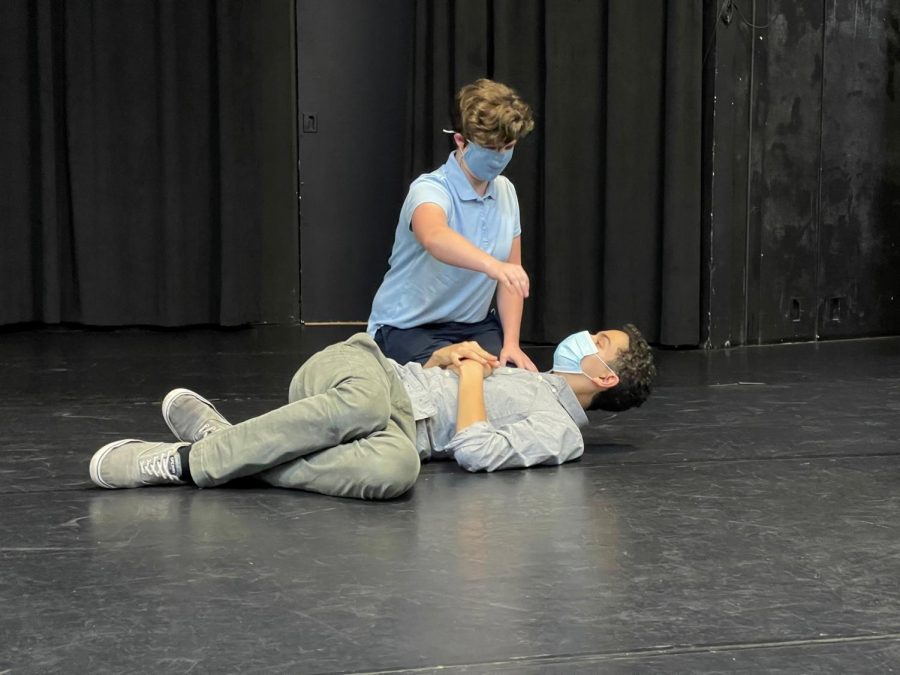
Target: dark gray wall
x,y
859,250
354,64
784,147
727,122
805,192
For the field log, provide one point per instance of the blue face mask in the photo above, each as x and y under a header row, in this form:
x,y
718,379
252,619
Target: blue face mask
x,y
484,163
570,352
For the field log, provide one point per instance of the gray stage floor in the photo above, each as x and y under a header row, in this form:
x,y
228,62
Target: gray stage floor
x,y
744,520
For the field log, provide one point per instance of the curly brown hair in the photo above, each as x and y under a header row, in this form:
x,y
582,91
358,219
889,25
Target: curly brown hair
x,y
491,114
636,371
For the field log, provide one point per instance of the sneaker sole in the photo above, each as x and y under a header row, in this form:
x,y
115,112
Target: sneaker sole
x,y
98,458
170,399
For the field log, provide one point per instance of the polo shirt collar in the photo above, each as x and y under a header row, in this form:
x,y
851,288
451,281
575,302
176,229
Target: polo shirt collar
x,y
567,398
461,184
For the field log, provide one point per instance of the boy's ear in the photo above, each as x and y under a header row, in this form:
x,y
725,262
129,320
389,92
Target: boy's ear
x,y
606,381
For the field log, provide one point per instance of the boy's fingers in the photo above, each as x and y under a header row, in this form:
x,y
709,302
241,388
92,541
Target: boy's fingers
x,y
486,354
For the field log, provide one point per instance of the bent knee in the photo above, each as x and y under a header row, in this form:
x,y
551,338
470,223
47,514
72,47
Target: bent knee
x,y
393,473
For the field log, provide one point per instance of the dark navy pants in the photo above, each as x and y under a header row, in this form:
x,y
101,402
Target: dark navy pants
x,y
419,343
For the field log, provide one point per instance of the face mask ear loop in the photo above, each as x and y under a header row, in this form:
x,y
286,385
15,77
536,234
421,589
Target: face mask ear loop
x,y
605,364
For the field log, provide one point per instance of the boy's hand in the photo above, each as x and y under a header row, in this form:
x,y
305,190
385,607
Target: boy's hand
x,y
511,276
515,354
453,355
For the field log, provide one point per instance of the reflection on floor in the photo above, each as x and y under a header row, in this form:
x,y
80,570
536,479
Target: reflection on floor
x,y
744,519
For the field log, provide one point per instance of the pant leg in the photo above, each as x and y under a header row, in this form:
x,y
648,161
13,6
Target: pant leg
x,y
344,393
383,465
487,333
406,345
419,343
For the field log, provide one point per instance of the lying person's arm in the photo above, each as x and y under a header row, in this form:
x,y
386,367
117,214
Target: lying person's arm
x,y
470,402
543,437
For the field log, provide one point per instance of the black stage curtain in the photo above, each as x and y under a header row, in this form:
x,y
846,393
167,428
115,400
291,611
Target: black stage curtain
x,y
129,178
609,183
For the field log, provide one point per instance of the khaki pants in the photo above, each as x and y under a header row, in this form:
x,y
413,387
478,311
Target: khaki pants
x,y
347,431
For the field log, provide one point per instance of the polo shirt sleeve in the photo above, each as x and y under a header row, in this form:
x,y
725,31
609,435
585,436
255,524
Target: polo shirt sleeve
x,y
425,192
540,438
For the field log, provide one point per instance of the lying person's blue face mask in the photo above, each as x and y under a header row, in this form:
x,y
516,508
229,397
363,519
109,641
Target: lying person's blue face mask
x,y
570,352
484,163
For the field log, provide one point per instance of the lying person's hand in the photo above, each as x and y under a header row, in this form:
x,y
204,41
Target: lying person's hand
x,y
472,366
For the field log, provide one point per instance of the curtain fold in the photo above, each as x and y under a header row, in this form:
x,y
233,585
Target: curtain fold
x,y
609,183
129,171
130,156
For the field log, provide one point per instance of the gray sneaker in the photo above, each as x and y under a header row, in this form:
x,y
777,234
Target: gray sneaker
x,y
190,416
132,463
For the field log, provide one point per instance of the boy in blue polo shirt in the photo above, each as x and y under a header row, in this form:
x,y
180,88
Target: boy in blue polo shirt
x,y
458,241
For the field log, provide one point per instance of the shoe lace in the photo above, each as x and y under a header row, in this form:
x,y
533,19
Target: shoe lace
x,y
206,429
157,465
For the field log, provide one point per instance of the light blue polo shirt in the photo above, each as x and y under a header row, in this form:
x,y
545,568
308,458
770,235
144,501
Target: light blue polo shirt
x,y
419,289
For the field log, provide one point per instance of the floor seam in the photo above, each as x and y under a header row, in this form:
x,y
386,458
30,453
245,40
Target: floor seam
x,y
672,650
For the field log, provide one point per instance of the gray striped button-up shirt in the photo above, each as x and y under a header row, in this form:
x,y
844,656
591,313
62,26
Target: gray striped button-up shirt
x,y
532,418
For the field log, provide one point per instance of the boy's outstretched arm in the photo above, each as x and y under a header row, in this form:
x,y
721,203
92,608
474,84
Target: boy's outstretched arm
x,y
430,228
510,306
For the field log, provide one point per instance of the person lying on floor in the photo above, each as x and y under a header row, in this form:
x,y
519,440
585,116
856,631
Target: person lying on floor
x,y
357,423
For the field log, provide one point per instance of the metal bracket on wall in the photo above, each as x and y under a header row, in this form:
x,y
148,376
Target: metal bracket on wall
x,y
836,309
